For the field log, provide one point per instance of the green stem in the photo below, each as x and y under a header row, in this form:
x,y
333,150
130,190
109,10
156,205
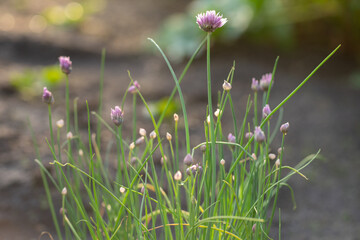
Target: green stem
x,y
101,87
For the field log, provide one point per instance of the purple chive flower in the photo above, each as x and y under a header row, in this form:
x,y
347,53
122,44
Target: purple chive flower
x,y
255,85
259,135
47,96
117,115
210,21
231,138
265,81
134,88
65,65
266,111
285,128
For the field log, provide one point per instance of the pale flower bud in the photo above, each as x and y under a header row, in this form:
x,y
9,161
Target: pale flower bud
x,y
152,135
188,160
203,148
64,191
217,112
277,163
122,189
254,156
142,132
259,135
176,117
139,141
132,146
208,119
222,162
226,86
60,123
163,160
69,135
177,176
266,111
285,128
248,135
168,136
272,156
81,152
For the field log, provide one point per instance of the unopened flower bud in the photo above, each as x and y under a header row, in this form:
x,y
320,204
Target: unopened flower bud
x,y
134,88
231,138
65,64
259,135
254,156
60,123
168,136
203,148
222,162
62,211
142,190
266,111
253,228
226,86
163,160
81,152
142,132
208,119
280,150
117,115
188,160
139,141
47,96
177,176
132,146
200,169
265,81
152,135
176,117
122,189
69,135
277,163
272,156
133,161
248,135
64,191
255,85
285,128
217,112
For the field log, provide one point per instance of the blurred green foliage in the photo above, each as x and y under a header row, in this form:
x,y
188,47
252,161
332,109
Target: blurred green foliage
x,y
276,22
29,83
157,107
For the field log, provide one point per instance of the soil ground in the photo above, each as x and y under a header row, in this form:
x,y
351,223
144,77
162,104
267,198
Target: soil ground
x,y
324,115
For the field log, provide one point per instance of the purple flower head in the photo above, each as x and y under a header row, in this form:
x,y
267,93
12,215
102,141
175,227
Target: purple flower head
x,y
285,128
259,135
210,21
266,111
47,96
255,85
134,88
188,160
65,65
117,115
265,81
231,138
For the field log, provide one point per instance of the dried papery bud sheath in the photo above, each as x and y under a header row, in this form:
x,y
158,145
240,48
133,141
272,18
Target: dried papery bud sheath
x,y
60,123
177,176
168,136
210,21
142,132
266,111
265,81
65,64
47,96
231,138
64,191
188,160
152,135
222,162
259,135
117,116
285,128
248,135
176,117
226,86
134,88
255,85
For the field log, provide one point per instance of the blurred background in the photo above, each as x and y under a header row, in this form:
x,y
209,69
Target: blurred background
x,y
324,115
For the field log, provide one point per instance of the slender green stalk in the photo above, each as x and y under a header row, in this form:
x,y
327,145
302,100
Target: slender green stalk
x,y
101,87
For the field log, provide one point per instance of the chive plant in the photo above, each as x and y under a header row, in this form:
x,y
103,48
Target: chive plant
x,y
208,198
